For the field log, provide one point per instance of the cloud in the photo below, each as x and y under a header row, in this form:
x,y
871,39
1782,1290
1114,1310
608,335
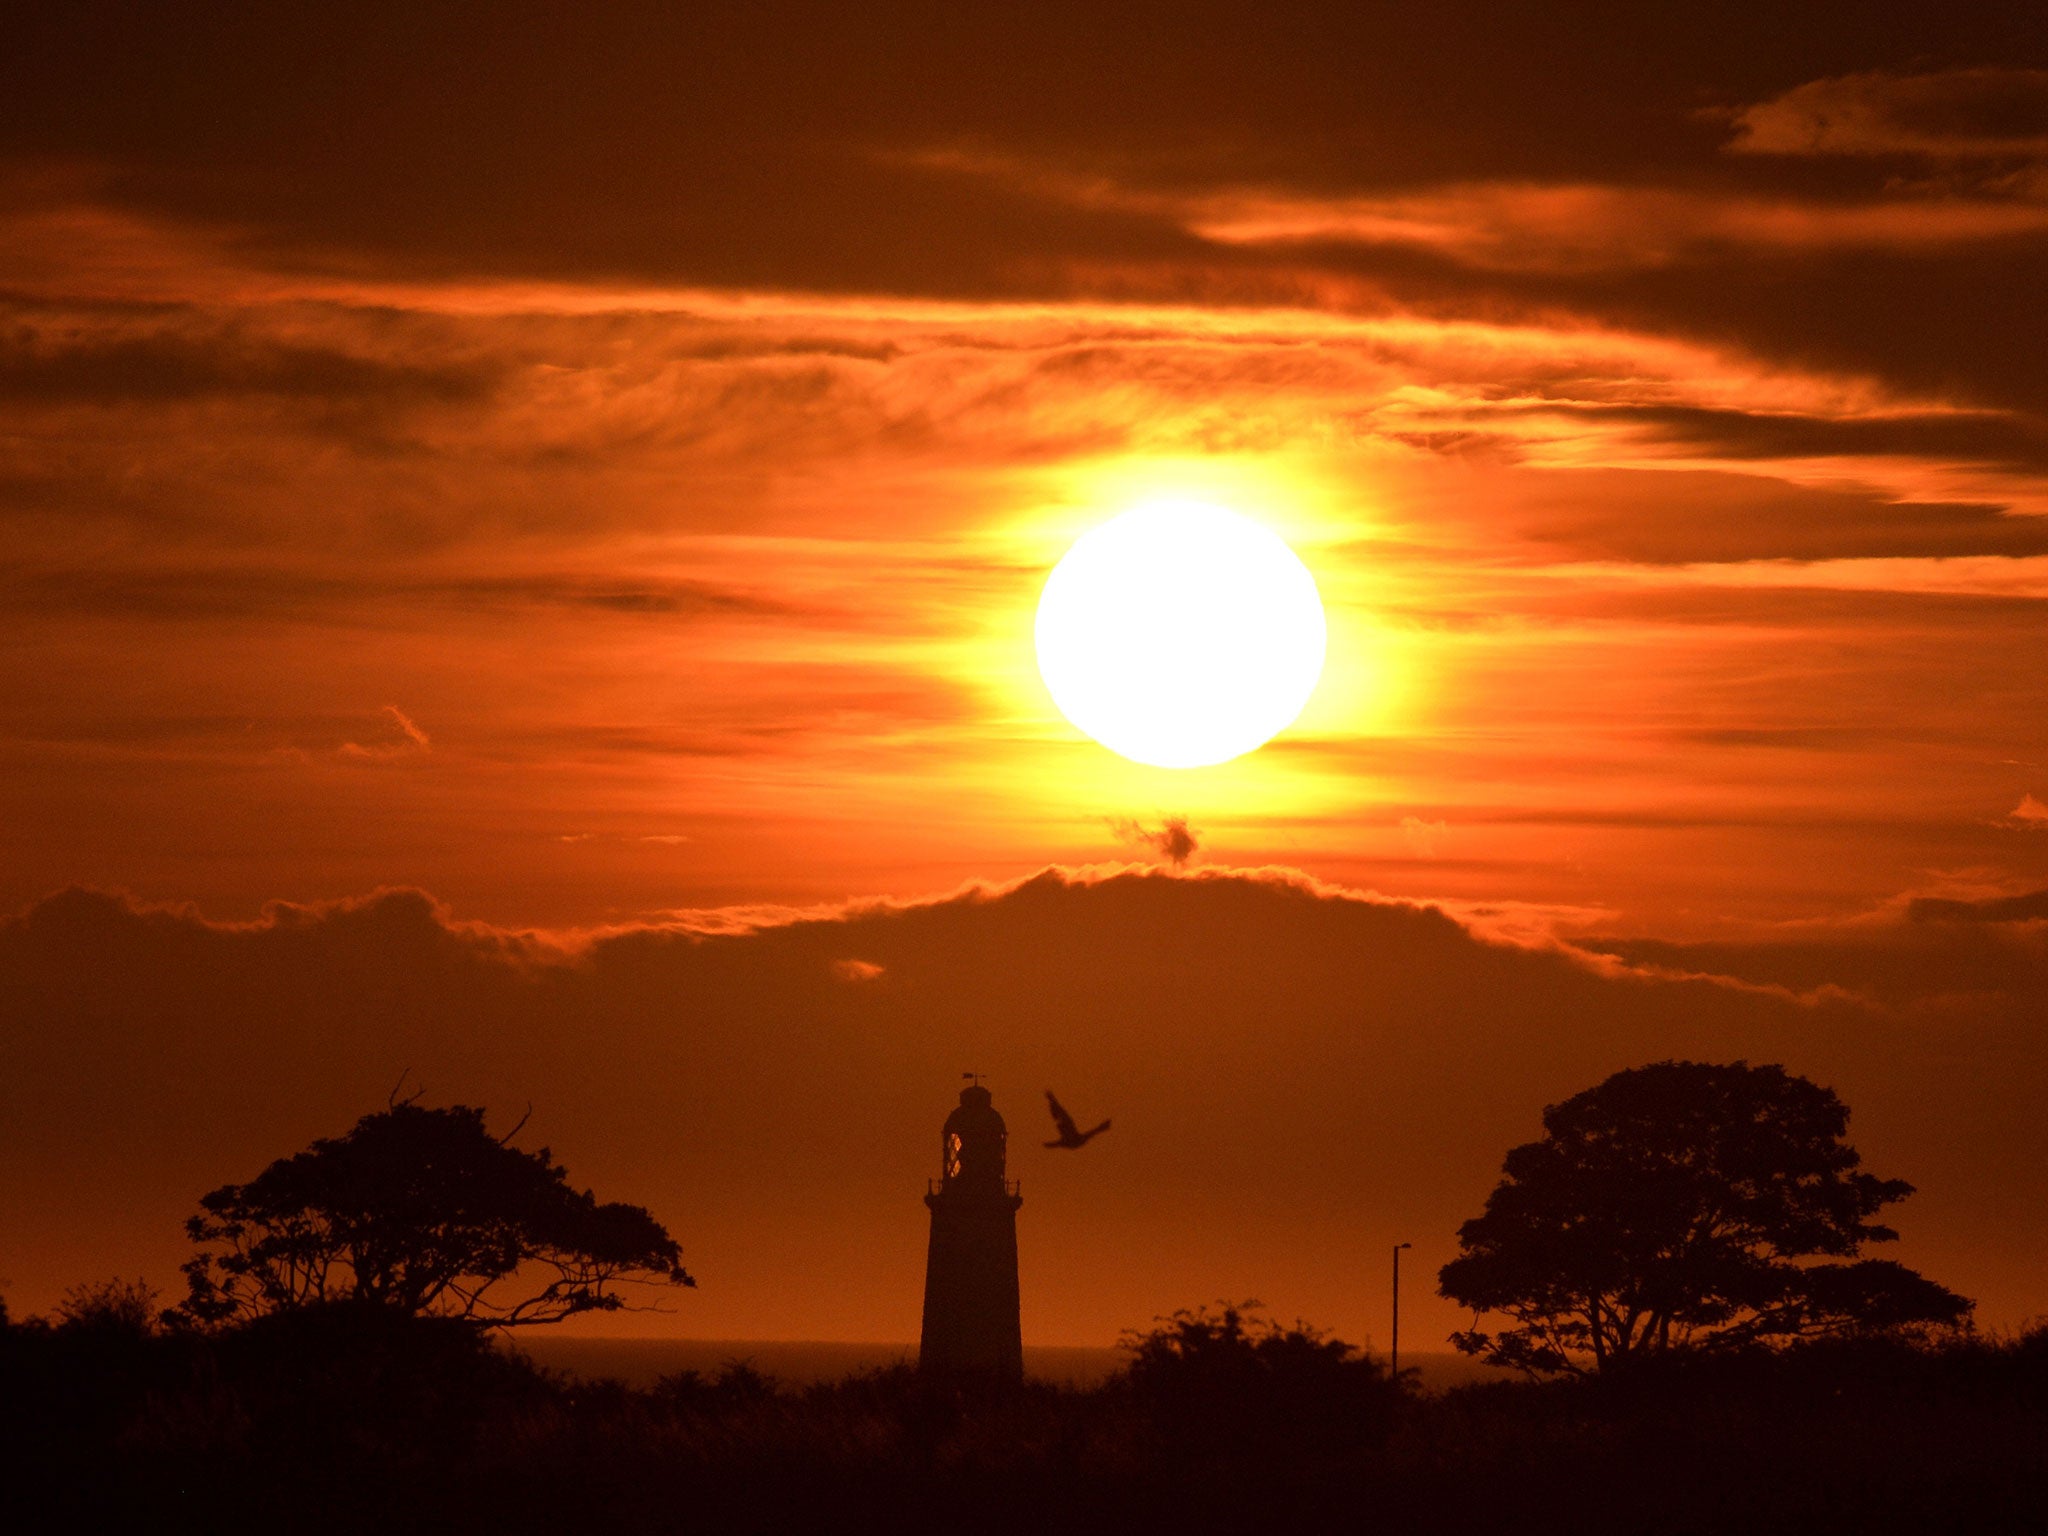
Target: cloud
x,y
1244,1027
54,367
1999,438
1590,229
411,741
284,590
1173,840
1423,837
2028,908
1692,516
835,117
857,970
1940,961
2030,815
1985,113
411,731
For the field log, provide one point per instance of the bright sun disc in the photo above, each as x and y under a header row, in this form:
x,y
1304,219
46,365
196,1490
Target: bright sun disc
x,y
1180,634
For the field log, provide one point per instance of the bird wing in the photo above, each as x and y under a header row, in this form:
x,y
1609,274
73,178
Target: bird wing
x,y
1060,1117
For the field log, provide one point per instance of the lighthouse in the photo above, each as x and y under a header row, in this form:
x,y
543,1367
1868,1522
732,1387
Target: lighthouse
x,y
970,1275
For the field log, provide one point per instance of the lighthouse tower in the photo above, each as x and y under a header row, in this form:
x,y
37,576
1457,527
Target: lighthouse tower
x,y
970,1273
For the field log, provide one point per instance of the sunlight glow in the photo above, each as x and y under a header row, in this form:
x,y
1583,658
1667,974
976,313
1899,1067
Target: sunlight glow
x,y
1180,634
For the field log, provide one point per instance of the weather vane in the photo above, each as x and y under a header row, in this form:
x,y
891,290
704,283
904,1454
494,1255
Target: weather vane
x,y
974,1076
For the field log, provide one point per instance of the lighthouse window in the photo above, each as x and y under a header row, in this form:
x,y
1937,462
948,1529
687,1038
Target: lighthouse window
x,y
953,1155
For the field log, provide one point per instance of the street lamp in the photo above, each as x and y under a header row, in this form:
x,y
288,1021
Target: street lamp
x,y
1394,1353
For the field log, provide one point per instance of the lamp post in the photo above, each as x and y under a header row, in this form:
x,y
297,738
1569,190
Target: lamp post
x,y
1394,1353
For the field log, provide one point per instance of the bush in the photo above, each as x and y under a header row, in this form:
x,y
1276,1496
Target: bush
x,y
1234,1376
124,1308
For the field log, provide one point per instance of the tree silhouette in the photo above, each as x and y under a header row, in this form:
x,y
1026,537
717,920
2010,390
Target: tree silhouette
x,y
1681,1205
421,1212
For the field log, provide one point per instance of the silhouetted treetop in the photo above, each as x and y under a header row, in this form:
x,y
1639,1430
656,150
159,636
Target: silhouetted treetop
x,y
421,1211
1681,1205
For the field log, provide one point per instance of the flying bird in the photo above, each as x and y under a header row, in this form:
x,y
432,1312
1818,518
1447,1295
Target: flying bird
x,y
1071,1135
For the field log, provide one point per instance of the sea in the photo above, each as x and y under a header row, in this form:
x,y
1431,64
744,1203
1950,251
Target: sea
x,y
800,1362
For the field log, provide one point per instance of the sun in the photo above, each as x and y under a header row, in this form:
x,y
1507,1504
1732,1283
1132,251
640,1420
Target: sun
x,y
1181,634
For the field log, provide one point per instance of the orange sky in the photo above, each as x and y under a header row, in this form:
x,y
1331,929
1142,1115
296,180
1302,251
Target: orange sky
x,y
604,478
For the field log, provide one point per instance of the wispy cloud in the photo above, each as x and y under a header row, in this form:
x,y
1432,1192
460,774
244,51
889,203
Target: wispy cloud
x,y
411,741
1549,228
1423,838
1986,113
2030,815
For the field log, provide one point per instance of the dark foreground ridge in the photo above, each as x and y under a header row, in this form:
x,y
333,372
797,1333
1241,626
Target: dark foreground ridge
x,y
349,1418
